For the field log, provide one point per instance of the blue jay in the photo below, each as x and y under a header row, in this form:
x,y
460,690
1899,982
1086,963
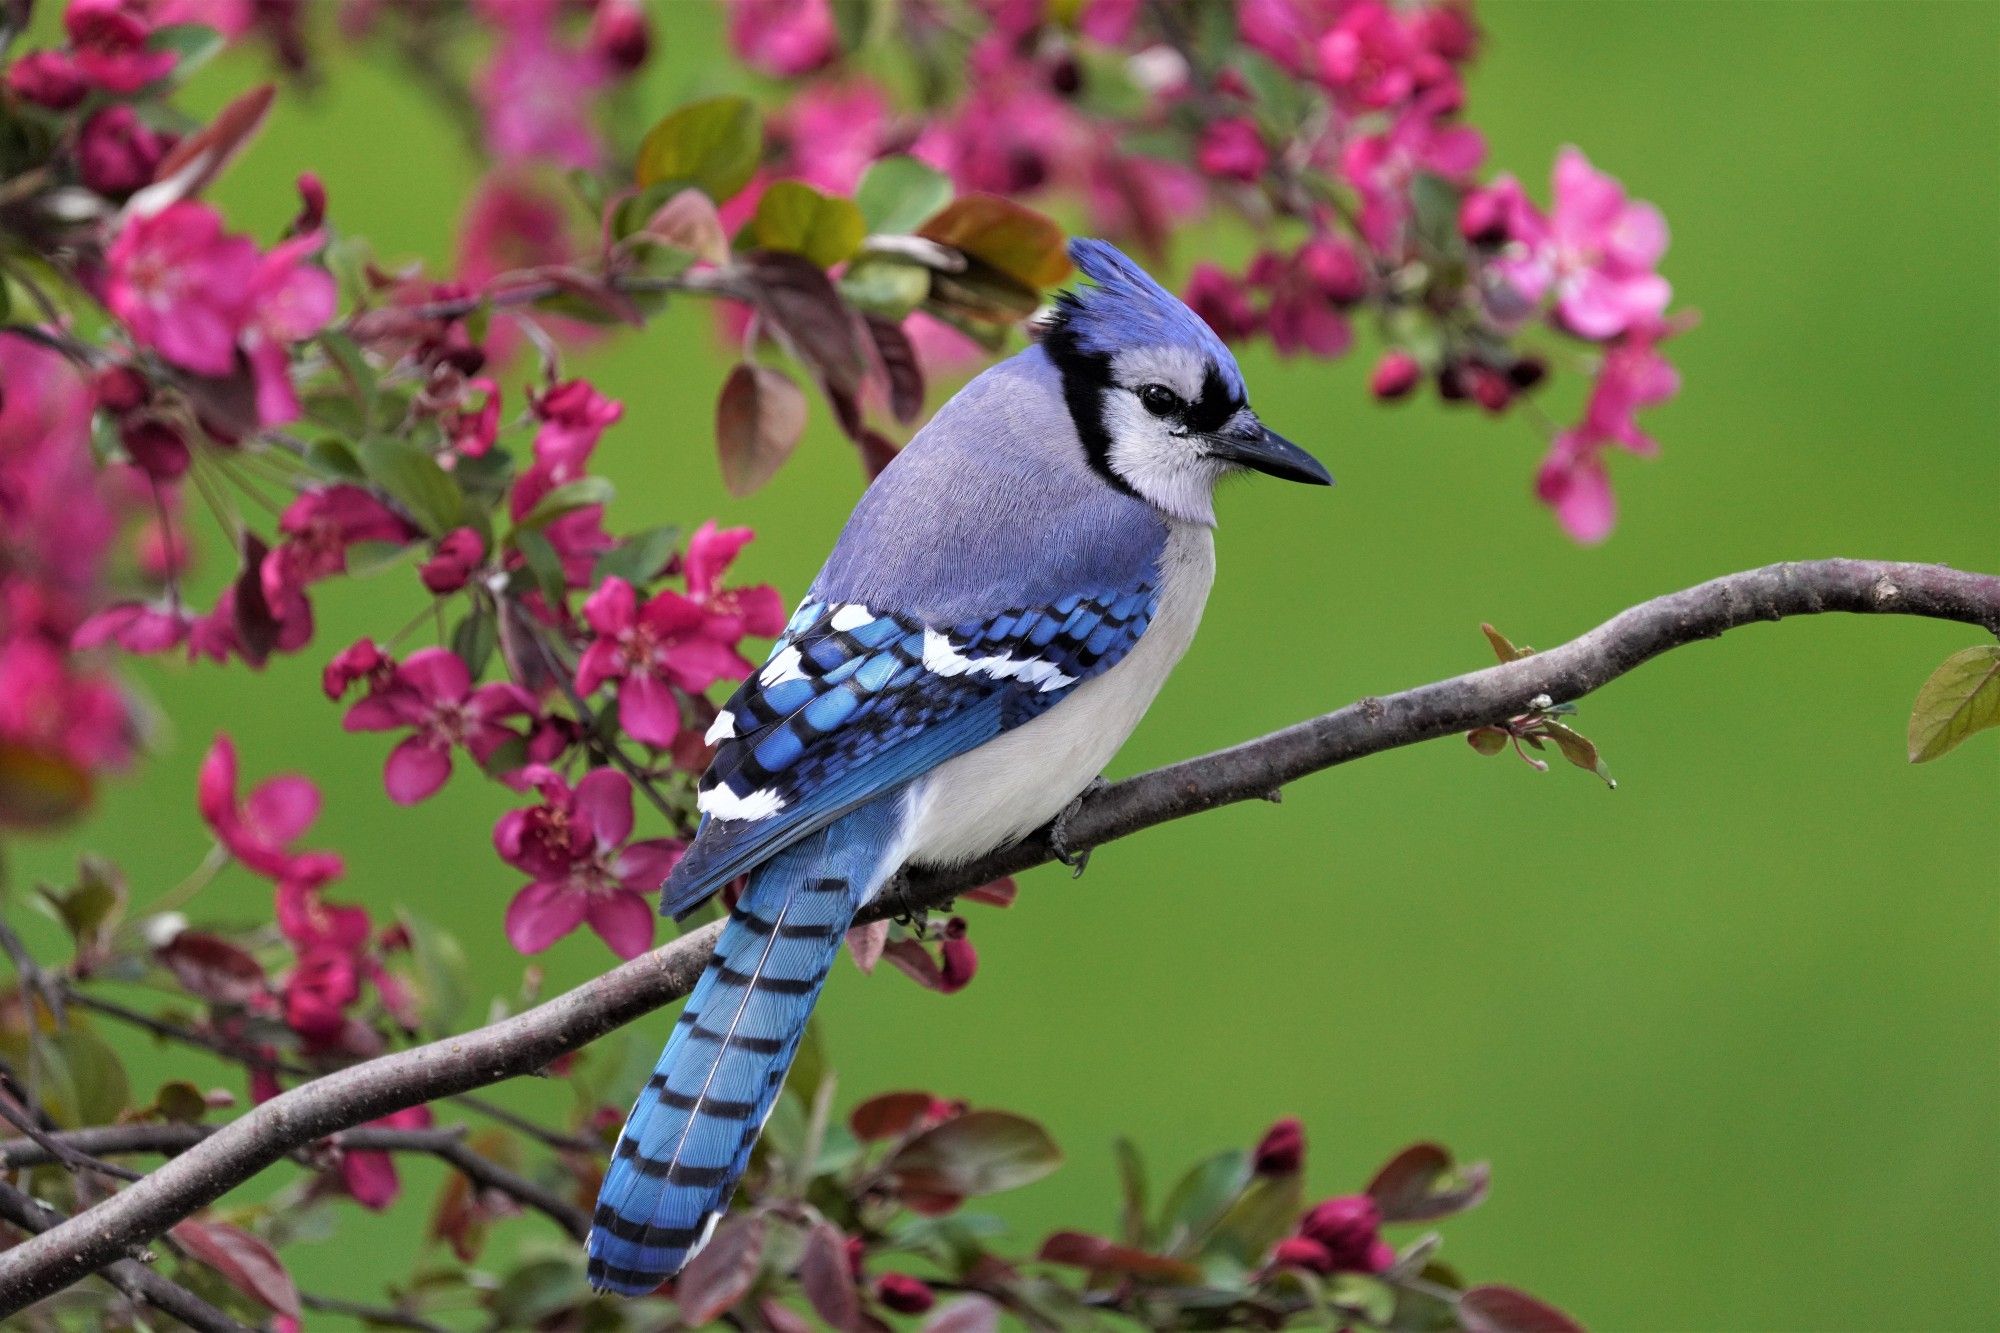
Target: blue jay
x,y
1001,608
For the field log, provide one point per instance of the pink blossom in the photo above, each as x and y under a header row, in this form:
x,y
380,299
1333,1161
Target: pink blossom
x,y
1596,250
1395,375
1285,30
511,224
116,152
783,38
536,96
369,1174
258,831
1307,290
473,431
573,416
1108,21
1369,58
47,79
182,286
666,642
1233,149
620,37
1573,479
1223,302
1380,167
319,526
1350,1228
732,612
155,447
574,845
108,39
290,300
360,660
458,554
308,921
831,131
432,694
137,627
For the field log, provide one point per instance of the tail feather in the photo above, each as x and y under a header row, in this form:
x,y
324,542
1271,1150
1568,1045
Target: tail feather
x,y
689,1136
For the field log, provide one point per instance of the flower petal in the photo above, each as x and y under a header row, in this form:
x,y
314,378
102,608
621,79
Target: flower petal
x,y
647,710
625,922
541,914
610,608
436,674
282,808
415,770
604,796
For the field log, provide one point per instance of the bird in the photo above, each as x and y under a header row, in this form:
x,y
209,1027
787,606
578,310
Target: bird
x,y
999,611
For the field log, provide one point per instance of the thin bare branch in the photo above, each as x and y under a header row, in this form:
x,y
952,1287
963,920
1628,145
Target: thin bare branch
x,y
528,1041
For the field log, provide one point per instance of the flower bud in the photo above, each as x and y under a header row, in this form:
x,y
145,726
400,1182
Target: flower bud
x,y
960,961
1395,375
620,35
1348,1228
1303,1252
360,659
1282,1150
1233,150
458,553
312,206
117,152
1490,389
904,1294
1333,270
1482,217
119,389
155,448
47,79
1526,373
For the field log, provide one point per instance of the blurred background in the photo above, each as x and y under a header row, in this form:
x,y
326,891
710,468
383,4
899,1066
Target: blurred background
x,y
1728,1034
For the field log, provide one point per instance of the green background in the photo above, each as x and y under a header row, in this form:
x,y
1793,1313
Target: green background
x,y
1728,1033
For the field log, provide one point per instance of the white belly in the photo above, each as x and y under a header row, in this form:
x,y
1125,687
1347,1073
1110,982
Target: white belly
x,y
1023,778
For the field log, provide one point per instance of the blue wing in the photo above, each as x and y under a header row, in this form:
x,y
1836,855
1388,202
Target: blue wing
x,y
854,702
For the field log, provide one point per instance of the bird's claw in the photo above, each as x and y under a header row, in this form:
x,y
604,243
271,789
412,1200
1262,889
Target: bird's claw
x,y
1059,831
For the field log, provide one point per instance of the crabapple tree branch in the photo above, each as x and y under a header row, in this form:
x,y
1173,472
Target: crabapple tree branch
x,y
1255,769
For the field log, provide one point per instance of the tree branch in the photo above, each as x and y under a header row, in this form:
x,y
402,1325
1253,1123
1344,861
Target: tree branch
x,y
1253,770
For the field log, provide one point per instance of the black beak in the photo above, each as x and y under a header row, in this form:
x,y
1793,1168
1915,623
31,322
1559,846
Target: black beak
x,y
1262,449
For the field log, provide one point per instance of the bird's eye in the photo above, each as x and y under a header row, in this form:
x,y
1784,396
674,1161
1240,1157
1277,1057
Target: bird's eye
x,y
1159,399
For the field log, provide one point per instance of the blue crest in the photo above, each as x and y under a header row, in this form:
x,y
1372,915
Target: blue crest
x,y
1127,309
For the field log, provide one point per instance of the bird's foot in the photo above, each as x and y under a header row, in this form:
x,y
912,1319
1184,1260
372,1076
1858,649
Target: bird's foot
x,y
904,909
1059,831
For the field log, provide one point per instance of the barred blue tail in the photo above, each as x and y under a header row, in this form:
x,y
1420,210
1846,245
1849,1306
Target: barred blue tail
x,y
690,1133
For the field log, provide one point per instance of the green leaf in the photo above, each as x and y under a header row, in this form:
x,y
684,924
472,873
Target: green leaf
x,y
1578,750
569,496
544,565
94,904
442,979
1132,1191
180,1102
473,640
883,286
899,194
1263,1215
639,557
794,217
333,457
980,1152
713,144
194,43
413,479
1961,697
355,372
1201,1197
539,1290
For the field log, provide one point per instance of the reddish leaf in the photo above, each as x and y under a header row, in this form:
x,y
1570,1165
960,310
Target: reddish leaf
x,y
256,628
899,367
1098,1255
807,317
1015,240
877,452
689,222
758,421
825,1277
997,893
38,790
1420,1184
1505,1310
889,1116
782,1318
968,1314
212,968
721,1274
866,944
980,1152
200,158
244,1261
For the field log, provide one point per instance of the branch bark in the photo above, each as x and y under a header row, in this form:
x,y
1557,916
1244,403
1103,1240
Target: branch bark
x,y
1252,770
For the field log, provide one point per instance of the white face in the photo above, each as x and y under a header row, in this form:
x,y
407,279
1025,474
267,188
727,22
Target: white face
x,y
1152,446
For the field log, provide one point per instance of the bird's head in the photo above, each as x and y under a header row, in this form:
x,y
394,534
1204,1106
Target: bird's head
x,y
1156,397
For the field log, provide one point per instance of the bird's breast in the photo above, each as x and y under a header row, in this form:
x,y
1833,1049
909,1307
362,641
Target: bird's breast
x,y
1023,778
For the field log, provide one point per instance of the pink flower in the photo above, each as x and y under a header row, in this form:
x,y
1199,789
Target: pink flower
x,y
1303,315
574,417
782,38
317,992
620,37
117,152
537,95
109,42
432,693
308,921
319,526
290,300
258,831
472,432
1596,250
182,286
1395,375
1285,30
1381,166
47,79
155,447
732,612
647,649
1349,1227
1234,150
458,554
574,845
137,627
370,1174
1573,479
832,131
360,660
1223,302
1368,58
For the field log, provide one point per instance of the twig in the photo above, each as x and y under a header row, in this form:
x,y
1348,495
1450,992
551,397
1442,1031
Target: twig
x,y
528,1041
20,1113
378,1316
129,1276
